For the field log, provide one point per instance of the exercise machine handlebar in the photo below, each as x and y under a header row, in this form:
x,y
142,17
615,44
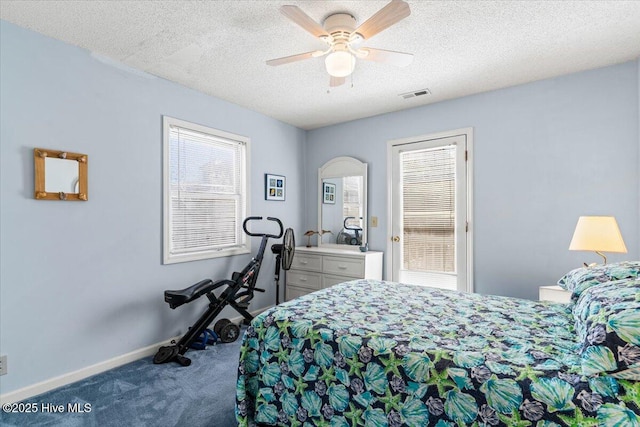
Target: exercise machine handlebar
x,y
257,218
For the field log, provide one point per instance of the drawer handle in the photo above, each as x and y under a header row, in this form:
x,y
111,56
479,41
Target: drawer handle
x,y
303,279
342,267
304,262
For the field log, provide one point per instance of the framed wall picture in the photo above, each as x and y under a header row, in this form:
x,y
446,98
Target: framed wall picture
x,y
328,193
274,187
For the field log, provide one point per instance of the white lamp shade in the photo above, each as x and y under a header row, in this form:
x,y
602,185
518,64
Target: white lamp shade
x,y
340,63
597,233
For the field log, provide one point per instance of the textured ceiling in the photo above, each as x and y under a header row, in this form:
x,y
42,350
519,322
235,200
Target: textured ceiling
x,y
460,48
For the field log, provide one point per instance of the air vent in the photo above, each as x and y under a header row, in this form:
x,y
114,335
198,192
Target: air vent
x,y
415,93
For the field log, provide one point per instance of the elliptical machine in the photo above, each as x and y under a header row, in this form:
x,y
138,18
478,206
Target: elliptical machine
x,y
232,295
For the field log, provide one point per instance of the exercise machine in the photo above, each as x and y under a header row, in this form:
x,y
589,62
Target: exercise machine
x,y
350,235
238,292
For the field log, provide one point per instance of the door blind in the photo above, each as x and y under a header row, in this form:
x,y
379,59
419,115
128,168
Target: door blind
x,y
428,209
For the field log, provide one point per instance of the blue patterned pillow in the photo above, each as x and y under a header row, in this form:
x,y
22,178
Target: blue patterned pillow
x,y
576,281
608,327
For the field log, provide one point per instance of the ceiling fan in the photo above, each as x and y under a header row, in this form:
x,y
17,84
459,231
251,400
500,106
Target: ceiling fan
x,y
339,32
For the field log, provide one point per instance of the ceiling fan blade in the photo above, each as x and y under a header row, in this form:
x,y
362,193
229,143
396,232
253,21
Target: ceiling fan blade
x,y
336,81
302,19
294,58
392,57
392,13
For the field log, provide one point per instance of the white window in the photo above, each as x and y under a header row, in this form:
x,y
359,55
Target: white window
x,y
352,200
206,192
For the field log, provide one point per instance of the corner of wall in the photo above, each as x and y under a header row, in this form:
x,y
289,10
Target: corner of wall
x,y
303,160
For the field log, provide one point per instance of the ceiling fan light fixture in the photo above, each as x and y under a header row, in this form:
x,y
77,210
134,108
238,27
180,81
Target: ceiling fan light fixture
x,y
340,63
342,37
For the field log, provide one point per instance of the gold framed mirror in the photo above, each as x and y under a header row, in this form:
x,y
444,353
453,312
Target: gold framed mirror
x,y
60,175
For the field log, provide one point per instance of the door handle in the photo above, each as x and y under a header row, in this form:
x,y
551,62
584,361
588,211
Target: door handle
x,y
395,239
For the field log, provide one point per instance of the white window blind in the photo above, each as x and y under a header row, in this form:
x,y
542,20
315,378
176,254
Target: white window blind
x,y
205,192
428,202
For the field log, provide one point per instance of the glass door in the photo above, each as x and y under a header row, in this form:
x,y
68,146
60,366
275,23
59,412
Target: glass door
x,y
429,212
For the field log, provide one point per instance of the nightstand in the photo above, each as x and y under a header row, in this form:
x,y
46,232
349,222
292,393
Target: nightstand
x,y
554,293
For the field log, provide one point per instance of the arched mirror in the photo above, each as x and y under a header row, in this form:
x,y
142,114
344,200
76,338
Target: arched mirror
x,y
342,203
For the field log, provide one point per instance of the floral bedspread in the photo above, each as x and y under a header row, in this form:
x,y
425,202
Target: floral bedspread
x,y
386,354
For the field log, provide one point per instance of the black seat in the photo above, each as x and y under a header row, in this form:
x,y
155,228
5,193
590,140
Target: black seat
x,y
183,296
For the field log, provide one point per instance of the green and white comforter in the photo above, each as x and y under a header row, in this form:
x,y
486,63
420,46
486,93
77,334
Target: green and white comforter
x,y
375,353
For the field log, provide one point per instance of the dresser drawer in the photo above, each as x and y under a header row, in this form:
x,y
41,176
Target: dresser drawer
x,y
307,262
328,280
344,266
304,279
295,292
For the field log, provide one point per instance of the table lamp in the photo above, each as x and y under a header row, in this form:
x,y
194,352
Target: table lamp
x,y
598,234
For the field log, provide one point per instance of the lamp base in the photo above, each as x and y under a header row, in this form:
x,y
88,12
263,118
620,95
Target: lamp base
x,y
593,264
603,256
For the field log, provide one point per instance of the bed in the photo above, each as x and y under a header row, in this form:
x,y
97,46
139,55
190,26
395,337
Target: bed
x,y
379,353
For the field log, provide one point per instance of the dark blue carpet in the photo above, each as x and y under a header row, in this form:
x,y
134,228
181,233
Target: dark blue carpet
x,y
143,394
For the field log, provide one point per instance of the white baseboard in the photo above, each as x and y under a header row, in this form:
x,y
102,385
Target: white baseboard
x,y
71,377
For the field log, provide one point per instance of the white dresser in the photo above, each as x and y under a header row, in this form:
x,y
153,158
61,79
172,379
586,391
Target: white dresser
x,y
321,267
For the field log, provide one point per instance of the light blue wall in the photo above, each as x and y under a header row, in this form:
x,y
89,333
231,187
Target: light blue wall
x,y
544,154
82,282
